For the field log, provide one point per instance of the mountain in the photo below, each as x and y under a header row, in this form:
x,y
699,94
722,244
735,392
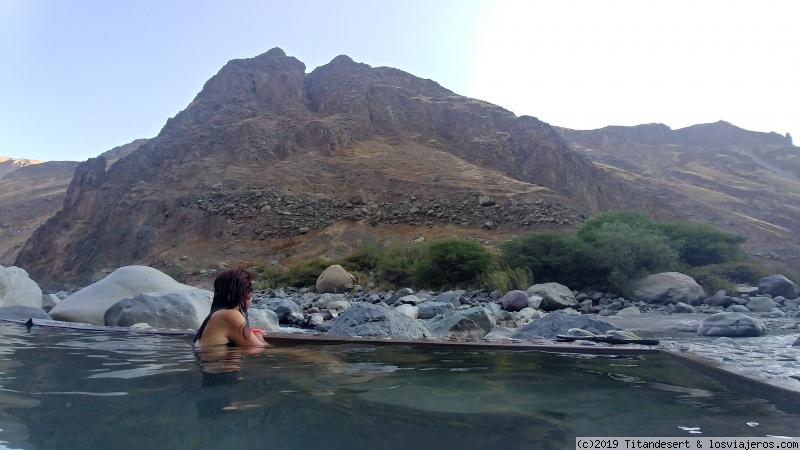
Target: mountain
x,y
268,164
743,181
33,192
10,164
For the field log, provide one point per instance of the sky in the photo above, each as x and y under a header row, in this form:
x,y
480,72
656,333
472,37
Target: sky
x,y
80,77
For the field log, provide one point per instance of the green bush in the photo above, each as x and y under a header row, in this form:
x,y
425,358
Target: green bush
x,y
270,276
366,258
629,253
305,274
633,219
725,276
452,261
397,264
505,280
554,257
702,244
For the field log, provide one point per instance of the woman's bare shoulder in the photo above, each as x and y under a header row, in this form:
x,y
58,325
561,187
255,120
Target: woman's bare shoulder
x,y
229,315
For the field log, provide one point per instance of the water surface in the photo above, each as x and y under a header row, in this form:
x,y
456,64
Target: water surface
x,y
66,389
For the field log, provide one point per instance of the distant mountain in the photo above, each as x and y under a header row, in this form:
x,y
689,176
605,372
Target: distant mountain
x,y
743,181
269,164
33,192
10,164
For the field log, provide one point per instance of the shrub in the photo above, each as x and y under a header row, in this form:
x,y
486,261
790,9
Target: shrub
x,y
725,276
554,257
271,276
397,264
505,280
453,261
365,259
633,219
702,244
630,253
305,273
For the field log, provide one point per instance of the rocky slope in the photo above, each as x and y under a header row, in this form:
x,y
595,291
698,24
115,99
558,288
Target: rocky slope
x,y
33,192
269,163
743,181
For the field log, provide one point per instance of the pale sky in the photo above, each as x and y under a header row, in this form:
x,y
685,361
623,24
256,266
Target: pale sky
x,y
79,77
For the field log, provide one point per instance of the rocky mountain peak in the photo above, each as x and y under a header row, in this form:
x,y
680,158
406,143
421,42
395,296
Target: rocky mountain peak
x,y
267,159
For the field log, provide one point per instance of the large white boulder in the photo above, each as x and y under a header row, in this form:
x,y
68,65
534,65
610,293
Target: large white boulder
x,y
669,288
17,289
89,305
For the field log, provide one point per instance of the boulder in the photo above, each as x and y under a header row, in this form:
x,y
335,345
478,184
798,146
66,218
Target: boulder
x,y
23,313
559,322
554,296
408,310
428,310
17,289
368,320
515,301
684,308
730,324
409,300
689,326
481,316
669,287
285,308
455,326
89,305
49,301
776,285
339,305
629,311
265,319
719,299
324,299
175,309
335,280
761,304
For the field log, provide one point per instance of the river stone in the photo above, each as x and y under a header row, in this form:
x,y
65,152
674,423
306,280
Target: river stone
x,y
23,313
481,316
737,308
368,320
730,324
719,299
335,279
326,298
262,318
452,325
559,322
408,310
17,289
761,304
338,305
515,301
796,343
554,296
428,310
776,285
446,297
89,305
285,308
181,309
629,311
49,301
668,287
409,299
684,308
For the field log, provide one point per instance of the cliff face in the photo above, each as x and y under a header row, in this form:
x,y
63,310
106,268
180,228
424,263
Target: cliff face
x,y
743,181
269,163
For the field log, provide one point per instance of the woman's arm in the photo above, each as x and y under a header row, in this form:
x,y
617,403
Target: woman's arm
x,y
238,332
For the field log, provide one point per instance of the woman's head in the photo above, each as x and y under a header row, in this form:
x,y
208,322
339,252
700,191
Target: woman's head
x,y
232,289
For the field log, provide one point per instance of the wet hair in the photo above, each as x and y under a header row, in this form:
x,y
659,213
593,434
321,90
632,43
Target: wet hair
x,y
230,289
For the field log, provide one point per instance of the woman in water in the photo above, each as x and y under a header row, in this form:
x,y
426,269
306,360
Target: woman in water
x,y
227,323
